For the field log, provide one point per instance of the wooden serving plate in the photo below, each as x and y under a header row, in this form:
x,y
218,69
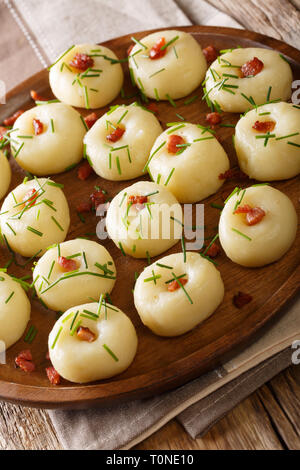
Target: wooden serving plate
x,y
160,364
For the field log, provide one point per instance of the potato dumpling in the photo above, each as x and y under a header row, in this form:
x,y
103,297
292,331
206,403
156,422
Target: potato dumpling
x,y
48,139
86,344
241,78
170,307
132,130
74,272
278,157
188,160
257,226
35,215
167,64
5,175
86,76
144,220
14,312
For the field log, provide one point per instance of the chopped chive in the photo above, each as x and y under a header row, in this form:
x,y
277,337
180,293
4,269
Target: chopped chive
x,y
155,73
110,352
156,94
52,126
71,167
282,56
203,138
85,261
286,136
118,165
122,249
66,52
175,52
138,42
122,117
171,101
153,278
74,320
86,97
293,143
169,43
57,223
242,234
164,266
216,206
19,150
33,230
77,325
183,248
170,176
51,269
175,129
236,190
182,287
11,228
84,123
151,156
158,178
124,195
148,257
56,185
269,93
11,295
210,244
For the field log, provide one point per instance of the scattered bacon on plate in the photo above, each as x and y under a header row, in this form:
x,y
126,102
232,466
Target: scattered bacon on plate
x,y
233,173
173,141
66,264
130,49
85,334
84,207
36,97
38,126
84,171
53,375
97,198
90,119
156,52
241,299
3,131
81,62
252,67
115,135
213,250
263,126
210,53
153,107
24,361
213,118
12,119
253,214
174,285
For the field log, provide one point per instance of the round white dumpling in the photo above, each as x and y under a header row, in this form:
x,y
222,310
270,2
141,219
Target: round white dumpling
x,y
190,172
144,220
276,158
112,348
137,128
57,147
171,309
87,76
178,70
14,312
5,175
264,241
35,215
74,272
237,92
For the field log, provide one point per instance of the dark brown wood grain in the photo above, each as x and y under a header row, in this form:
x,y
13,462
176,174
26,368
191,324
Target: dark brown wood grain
x,y
160,363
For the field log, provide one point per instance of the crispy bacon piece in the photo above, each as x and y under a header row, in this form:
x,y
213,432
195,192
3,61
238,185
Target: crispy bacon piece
x,y
130,49
210,53
263,126
81,62
252,67
156,52
3,131
253,214
137,201
47,356
84,171
67,265
233,173
173,141
24,361
30,198
97,198
53,375
90,119
38,126
12,119
241,299
85,334
213,251
174,285
36,97
213,118
153,107
115,135
84,207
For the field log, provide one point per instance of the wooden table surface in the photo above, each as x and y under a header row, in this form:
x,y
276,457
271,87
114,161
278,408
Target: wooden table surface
x,y
269,418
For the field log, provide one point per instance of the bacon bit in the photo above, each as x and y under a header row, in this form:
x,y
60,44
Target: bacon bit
x,y
81,62
38,126
30,198
115,135
174,285
53,375
90,119
97,198
210,53
138,201
36,97
24,361
233,173
241,299
67,265
12,119
85,334
213,251
263,126
47,356
153,107
156,52
252,67
3,131
130,49
213,118
84,171
253,214
84,207
173,141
